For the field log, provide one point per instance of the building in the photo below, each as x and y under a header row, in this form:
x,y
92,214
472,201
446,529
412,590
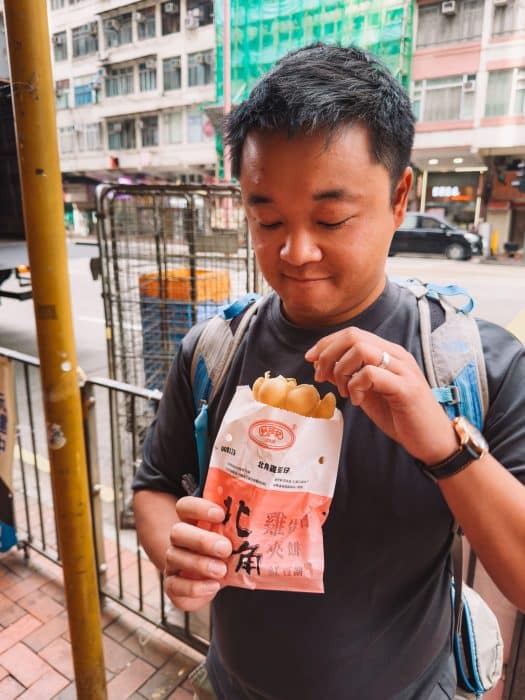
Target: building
x,y
264,30
130,82
468,92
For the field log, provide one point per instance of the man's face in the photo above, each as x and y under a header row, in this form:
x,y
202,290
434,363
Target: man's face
x,y
321,220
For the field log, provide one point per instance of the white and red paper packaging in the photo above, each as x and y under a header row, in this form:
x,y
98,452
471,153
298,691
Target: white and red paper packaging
x,y
274,473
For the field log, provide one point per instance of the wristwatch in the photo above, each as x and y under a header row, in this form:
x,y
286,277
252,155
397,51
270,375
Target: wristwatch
x,y
472,446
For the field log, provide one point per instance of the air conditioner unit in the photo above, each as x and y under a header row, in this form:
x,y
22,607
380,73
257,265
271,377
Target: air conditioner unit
x,y
102,72
140,17
500,3
170,8
117,127
113,25
102,56
93,30
191,22
202,58
150,63
58,40
448,7
469,86
140,123
59,91
96,84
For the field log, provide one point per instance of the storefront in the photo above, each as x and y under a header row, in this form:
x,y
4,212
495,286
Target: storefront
x,y
456,196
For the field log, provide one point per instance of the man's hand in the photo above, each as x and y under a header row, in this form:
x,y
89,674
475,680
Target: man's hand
x,y
396,397
195,559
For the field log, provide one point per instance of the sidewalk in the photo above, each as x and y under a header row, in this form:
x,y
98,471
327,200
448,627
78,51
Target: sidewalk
x,y
141,660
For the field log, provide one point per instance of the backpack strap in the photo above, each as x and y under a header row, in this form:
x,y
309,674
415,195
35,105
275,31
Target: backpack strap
x,y
213,354
452,352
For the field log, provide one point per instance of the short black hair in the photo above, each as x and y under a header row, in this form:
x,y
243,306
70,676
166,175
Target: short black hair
x,y
324,87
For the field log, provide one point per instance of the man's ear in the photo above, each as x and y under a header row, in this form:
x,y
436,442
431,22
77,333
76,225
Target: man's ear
x,y
401,195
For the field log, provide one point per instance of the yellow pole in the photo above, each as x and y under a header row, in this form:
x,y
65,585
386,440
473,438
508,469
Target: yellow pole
x,y
29,52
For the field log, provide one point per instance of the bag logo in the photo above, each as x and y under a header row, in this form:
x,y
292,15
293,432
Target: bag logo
x,y
271,434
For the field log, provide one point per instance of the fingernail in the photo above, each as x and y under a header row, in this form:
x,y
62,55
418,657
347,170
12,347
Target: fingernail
x,y
222,548
217,568
215,514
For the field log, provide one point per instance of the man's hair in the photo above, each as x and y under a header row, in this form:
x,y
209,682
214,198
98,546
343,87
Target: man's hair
x,y
322,88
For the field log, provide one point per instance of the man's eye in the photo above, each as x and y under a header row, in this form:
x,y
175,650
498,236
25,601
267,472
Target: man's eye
x,y
274,225
334,224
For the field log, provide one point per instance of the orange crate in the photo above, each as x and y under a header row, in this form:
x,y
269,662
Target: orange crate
x,y
211,285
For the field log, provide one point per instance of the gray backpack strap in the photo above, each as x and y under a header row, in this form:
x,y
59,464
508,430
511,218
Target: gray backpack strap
x,y
452,352
215,349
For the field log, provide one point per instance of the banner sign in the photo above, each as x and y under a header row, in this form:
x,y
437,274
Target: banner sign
x,y
7,446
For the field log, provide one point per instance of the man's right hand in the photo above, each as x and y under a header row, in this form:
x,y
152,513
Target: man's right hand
x,y
196,558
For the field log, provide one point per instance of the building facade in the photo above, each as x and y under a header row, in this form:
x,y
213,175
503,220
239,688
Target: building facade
x,y
130,82
468,93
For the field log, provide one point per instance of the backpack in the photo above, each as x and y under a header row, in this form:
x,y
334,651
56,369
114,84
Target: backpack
x,y
455,369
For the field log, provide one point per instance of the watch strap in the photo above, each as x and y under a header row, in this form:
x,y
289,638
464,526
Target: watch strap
x,y
457,461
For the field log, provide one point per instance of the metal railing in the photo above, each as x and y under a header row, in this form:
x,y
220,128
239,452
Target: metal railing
x,y
125,575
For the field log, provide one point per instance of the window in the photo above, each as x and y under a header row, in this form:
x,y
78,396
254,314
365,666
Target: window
x,y
121,135
85,39
197,131
60,46
509,18
148,75
90,137
170,17
434,27
149,127
173,127
410,221
519,102
199,13
66,139
87,89
171,73
117,30
444,99
498,93
119,81
200,68
62,94
57,4
145,23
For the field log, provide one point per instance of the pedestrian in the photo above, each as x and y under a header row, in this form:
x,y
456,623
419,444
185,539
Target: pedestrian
x,y
322,149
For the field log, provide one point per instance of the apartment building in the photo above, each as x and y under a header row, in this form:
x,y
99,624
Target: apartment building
x,y
131,80
468,91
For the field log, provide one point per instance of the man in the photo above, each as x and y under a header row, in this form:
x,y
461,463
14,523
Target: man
x,y
322,148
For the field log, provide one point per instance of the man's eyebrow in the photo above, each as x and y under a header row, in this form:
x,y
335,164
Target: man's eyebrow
x,y
337,194
340,194
259,199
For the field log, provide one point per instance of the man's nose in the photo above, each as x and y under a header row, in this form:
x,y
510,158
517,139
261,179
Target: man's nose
x,y
300,247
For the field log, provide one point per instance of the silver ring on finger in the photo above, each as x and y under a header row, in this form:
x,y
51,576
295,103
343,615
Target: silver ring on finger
x,y
384,363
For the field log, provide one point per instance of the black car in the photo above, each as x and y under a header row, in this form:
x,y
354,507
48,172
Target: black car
x,y
426,233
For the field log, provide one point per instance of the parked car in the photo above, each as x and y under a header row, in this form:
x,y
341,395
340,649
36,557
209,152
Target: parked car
x,y
427,233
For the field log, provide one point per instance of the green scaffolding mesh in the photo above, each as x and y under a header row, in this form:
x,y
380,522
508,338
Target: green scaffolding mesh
x,y
264,30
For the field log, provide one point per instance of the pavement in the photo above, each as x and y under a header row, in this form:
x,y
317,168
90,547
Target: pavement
x,y
141,660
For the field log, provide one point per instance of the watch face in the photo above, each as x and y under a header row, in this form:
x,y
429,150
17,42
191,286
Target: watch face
x,y
470,435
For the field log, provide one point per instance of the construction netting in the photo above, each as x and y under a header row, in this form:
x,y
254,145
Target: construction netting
x,y
264,30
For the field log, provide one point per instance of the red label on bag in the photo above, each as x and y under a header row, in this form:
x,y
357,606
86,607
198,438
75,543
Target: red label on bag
x,y
271,435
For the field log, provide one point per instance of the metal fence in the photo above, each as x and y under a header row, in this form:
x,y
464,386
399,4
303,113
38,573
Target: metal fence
x,y
125,574
170,256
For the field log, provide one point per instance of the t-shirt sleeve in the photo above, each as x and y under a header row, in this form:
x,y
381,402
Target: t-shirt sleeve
x,y
504,426
169,449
